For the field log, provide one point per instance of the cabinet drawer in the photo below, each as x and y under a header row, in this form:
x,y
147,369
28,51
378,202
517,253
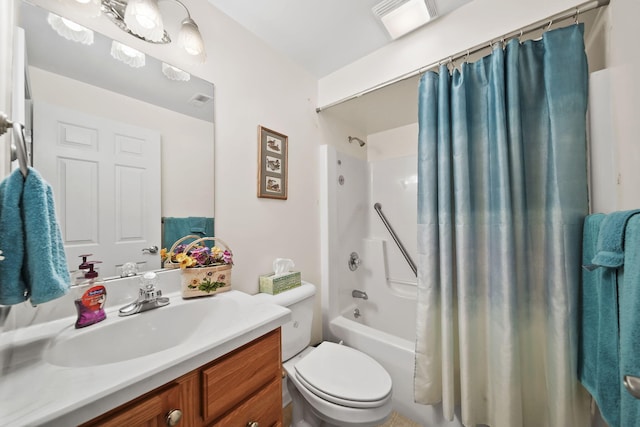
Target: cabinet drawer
x,y
149,410
261,408
230,379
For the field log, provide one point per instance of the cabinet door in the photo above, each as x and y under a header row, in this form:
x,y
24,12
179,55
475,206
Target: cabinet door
x,y
148,411
262,409
230,380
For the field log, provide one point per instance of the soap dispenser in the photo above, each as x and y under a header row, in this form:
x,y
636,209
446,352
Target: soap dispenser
x,y
85,267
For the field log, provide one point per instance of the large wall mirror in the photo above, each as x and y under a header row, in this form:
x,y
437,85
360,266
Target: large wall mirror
x,y
123,146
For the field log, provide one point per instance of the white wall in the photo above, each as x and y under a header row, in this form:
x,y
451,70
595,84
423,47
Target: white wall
x,y
398,142
623,60
187,145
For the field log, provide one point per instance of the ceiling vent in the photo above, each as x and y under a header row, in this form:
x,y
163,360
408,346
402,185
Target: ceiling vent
x,y
400,17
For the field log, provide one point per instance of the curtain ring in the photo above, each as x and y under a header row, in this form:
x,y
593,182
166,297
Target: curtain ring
x,y
521,34
575,18
549,26
450,65
466,58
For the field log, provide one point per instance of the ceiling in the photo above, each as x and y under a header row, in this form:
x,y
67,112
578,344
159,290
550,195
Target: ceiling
x,y
326,35
321,35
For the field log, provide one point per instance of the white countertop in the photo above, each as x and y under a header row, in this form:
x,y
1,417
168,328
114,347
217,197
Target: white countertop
x,y
35,392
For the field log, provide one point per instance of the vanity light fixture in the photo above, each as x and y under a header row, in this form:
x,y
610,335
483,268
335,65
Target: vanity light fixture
x,y
130,56
70,30
174,73
400,17
143,19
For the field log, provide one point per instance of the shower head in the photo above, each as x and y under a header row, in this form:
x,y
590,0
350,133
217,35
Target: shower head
x,y
353,138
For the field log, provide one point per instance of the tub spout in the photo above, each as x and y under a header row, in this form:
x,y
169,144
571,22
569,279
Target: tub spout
x,y
359,294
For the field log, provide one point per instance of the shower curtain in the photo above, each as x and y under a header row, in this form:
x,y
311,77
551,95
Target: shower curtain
x,y
502,193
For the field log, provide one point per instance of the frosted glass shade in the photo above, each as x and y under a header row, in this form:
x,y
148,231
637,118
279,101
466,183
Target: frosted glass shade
x,y
130,56
174,73
70,30
190,39
89,8
143,18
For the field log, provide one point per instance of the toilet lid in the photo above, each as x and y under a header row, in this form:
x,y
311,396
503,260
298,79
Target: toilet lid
x,y
343,375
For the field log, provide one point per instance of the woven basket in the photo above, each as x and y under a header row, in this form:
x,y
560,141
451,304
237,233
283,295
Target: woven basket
x,y
169,262
203,281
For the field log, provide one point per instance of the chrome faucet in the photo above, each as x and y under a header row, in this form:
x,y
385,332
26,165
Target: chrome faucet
x,y
149,297
359,294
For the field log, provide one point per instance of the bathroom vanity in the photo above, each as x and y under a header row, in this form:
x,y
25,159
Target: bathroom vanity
x,y
242,388
216,360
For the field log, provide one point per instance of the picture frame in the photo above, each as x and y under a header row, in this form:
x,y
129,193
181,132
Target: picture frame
x,y
273,164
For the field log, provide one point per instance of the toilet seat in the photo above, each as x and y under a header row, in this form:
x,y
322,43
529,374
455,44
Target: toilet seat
x,y
344,376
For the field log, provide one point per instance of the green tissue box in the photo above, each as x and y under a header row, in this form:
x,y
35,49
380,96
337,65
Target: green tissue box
x,y
275,285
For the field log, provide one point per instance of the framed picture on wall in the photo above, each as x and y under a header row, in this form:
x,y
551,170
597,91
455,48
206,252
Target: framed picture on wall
x,y
272,164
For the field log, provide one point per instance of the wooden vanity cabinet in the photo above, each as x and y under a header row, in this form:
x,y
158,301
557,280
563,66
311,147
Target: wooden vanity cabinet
x,y
235,390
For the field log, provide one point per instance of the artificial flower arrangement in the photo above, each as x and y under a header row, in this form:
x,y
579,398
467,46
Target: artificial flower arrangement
x,y
205,270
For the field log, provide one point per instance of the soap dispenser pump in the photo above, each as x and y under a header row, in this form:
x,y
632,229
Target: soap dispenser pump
x,y
91,274
84,265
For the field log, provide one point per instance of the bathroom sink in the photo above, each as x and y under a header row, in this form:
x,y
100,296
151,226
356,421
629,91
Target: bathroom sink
x,y
118,339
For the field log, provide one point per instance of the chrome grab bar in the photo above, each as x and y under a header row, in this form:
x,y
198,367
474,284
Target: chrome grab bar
x,y
378,208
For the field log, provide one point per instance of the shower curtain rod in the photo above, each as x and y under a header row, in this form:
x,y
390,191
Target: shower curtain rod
x,y
569,13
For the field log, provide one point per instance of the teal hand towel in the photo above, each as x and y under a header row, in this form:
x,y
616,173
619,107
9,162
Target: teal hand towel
x,y
176,228
598,358
629,295
610,247
198,224
12,286
45,269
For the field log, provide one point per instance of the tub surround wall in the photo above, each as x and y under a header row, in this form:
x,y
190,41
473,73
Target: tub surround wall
x,y
386,328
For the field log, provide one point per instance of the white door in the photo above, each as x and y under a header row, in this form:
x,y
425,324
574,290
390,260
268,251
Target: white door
x,y
106,181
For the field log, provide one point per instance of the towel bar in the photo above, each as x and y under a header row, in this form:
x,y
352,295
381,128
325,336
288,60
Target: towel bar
x,y
21,147
633,385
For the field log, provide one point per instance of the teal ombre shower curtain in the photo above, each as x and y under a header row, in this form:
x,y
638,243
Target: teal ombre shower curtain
x,y
502,193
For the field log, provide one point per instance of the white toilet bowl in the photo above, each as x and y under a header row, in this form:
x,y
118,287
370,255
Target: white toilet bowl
x,y
331,384
335,385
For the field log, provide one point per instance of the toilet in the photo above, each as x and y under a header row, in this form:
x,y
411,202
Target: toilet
x,y
331,384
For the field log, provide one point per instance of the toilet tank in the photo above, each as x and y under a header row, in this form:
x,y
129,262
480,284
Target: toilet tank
x,y
296,334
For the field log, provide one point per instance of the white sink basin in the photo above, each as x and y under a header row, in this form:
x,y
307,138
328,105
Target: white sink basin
x,y
118,339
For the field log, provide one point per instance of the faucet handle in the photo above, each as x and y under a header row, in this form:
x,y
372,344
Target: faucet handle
x,y
148,291
148,280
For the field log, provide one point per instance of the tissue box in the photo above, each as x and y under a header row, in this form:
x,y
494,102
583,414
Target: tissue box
x,y
274,285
